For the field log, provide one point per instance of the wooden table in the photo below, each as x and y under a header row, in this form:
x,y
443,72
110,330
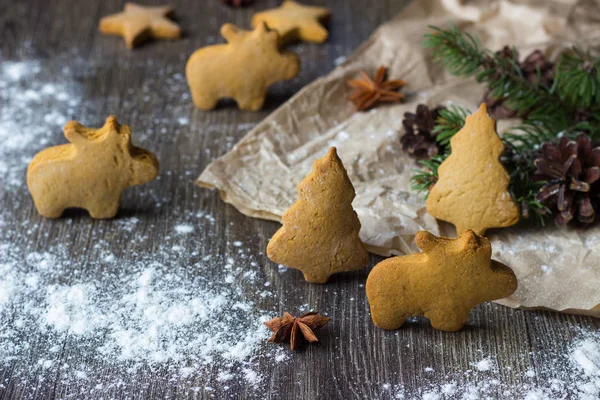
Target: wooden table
x,y
354,359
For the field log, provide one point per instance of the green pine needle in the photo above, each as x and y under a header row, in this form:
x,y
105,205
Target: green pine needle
x,y
449,121
427,176
571,105
578,76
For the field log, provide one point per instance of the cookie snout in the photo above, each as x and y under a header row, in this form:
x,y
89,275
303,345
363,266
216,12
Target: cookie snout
x,y
145,167
290,64
505,280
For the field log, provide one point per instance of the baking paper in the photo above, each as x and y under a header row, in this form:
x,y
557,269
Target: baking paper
x,y
557,268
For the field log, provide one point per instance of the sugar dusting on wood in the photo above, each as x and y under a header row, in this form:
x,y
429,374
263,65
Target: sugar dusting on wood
x,y
158,312
162,312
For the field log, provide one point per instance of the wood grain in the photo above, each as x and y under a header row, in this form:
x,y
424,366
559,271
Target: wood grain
x,y
354,359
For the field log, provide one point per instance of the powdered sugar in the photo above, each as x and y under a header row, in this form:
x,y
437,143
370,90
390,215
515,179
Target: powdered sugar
x,y
485,365
147,314
174,308
22,128
573,375
182,229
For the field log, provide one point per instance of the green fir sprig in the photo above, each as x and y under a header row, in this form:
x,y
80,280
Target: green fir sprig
x,y
572,98
570,106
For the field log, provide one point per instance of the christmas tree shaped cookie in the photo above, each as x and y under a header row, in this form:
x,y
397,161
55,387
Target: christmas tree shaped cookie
x,y
320,230
472,189
91,172
443,283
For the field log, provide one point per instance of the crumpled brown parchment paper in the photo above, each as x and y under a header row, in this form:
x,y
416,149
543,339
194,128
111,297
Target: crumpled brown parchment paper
x,y
557,268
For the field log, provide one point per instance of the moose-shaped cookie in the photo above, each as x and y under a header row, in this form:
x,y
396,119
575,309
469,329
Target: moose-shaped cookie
x,y
242,69
91,172
443,283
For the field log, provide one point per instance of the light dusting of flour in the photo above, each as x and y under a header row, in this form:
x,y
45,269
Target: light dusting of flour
x,y
177,312
171,309
574,374
22,127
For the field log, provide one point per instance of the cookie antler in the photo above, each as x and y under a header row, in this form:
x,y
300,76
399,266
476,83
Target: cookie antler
x,y
75,132
111,123
469,239
426,241
230,32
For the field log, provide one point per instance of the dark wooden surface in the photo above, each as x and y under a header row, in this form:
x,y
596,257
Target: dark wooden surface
x,y
354,360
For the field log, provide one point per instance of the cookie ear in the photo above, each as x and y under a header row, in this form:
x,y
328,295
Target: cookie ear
x,y
262,31
426,241
230,32
75,132
469,239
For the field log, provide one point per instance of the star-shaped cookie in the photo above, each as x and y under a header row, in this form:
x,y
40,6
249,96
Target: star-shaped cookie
x,y
91,172
443,283
295,21
139,23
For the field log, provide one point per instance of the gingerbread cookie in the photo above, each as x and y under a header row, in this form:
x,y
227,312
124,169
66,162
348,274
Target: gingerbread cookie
x,y
139,23
320,230
443,283
472,189
295,21
89,173
242,69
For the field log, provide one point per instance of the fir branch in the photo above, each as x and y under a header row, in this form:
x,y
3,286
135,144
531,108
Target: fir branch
x,y
578,78
570,106
450,121
577,83
424,178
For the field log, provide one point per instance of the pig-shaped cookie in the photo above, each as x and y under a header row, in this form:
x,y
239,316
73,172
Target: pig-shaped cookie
x,y
443,283
242,69
91,172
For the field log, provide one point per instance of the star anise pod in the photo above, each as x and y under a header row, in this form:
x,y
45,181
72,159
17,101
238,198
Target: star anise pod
x,y
571,171
368,92
296,330
419,139
237,3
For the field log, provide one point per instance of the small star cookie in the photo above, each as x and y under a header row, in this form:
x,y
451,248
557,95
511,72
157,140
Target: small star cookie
x,y
91,172
242,69
295,21
320,230
139,23
443,283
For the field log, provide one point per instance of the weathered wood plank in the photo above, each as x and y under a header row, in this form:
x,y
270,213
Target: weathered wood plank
x,y
354,359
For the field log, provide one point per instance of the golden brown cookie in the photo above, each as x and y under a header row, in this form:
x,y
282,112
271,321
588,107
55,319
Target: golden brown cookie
x,y
320,230
139,23
90,172
472,189
295,21
443,283
242,69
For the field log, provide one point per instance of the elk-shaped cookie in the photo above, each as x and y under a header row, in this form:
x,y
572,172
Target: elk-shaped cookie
x,y
443,283
91,172
242,69
320,230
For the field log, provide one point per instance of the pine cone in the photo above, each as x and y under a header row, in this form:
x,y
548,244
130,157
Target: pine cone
x,y
571,170
419,140
237,3
529,67
536,60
